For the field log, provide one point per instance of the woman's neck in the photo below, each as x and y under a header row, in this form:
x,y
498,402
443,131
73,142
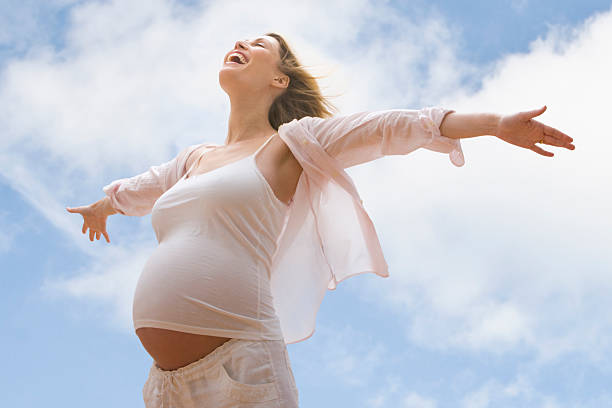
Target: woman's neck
x,y
248,120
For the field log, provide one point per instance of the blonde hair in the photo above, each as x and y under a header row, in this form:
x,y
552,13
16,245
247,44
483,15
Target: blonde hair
x,y
302,97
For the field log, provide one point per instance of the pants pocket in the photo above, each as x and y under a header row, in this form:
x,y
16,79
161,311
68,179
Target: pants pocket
x,y
247,374
244,392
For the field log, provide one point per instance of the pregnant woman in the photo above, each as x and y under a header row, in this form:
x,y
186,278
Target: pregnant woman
x,y
253,232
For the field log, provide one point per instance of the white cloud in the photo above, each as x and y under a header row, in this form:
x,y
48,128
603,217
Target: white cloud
x,y
109,281
510,252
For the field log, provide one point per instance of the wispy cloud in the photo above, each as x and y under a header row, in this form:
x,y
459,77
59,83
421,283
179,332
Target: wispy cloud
x,y
109,282
395,393
518,392
350,356
9,229
519,5
414,400
511,252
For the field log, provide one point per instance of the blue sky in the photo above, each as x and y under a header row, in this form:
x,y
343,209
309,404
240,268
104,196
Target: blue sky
x,y
500,270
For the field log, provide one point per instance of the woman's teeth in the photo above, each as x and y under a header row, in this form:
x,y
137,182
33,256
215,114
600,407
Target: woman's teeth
x,y
236,55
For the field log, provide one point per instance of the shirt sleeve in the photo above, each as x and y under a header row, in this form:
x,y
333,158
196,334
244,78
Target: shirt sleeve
x,y
137,195
365,136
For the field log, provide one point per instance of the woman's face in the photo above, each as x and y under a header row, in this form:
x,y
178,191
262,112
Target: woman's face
x,y
254,71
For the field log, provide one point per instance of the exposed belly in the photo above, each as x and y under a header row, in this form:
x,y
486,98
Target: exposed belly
x,y
182,283
173,349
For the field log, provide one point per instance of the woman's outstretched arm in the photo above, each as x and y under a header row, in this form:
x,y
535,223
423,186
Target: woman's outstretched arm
x,y
132,196
365,136
136,195
519,129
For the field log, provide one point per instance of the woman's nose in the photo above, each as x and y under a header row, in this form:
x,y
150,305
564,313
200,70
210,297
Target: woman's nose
x,y
239,44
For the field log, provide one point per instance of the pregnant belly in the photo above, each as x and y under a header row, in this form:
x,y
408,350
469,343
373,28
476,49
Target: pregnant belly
x,y
189,282
173,349
182,283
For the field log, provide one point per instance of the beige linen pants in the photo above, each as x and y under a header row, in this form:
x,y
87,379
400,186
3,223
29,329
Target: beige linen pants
x,y
239,373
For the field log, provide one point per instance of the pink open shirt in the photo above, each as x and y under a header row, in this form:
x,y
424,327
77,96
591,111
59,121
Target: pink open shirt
x,y
328,236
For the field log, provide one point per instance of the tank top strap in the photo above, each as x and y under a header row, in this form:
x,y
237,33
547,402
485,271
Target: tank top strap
x,y
262,145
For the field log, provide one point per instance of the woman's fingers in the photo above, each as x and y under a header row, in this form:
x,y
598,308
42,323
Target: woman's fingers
x,y
561,139
541,151
97,227
557,134
551,140
97,235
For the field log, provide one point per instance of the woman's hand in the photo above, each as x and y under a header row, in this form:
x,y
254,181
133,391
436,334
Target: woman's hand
x,y
521,130
94,217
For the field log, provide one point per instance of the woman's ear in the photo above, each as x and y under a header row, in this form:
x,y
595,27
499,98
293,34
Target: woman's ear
x,y
282,81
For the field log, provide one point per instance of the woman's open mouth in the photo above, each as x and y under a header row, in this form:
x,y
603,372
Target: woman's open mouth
x,y
236,58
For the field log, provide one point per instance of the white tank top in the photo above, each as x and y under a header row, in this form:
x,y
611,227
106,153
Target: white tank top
x,y
210,274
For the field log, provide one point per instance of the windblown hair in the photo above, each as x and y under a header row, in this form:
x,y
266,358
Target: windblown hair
x,y
302,96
